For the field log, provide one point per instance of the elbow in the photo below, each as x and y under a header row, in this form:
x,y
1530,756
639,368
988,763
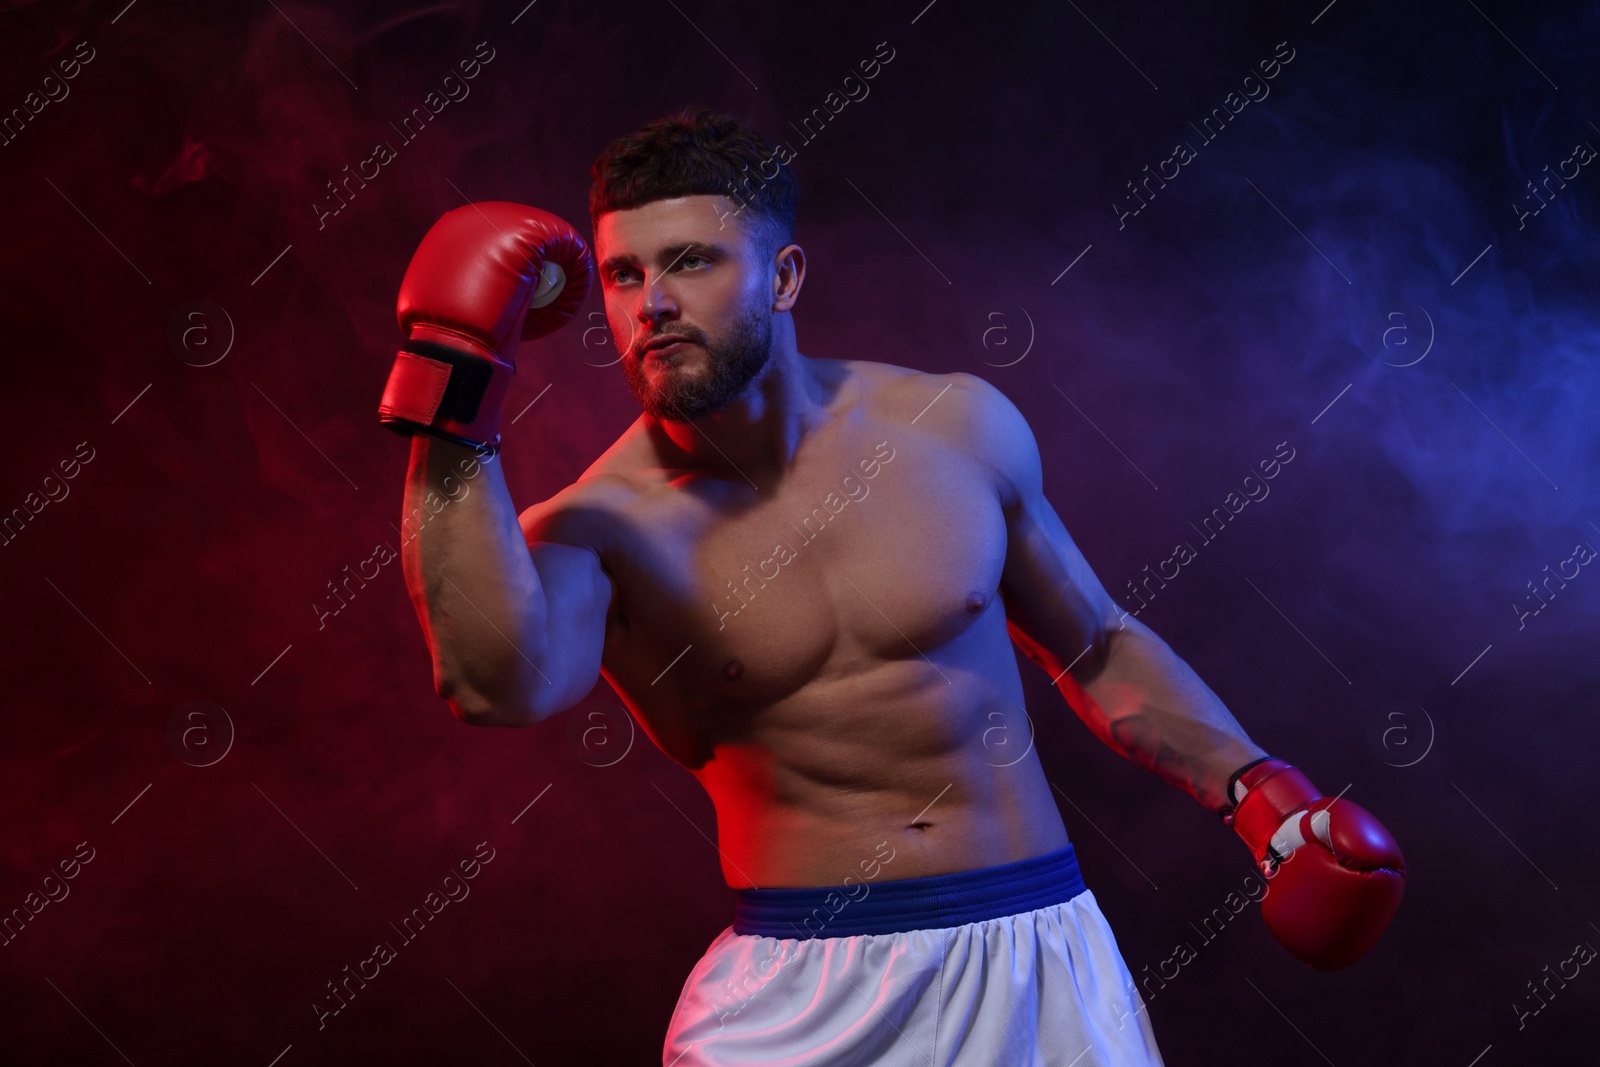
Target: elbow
x,y
491,714
475,708
485,691
1096,656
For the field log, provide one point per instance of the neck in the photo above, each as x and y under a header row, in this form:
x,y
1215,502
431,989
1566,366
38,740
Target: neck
x,y
755,438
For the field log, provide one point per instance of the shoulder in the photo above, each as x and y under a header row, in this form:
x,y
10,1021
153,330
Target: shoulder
x,y
587,512
967,413
936,402
581,514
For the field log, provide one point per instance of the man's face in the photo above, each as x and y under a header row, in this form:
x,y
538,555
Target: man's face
x,y
670,269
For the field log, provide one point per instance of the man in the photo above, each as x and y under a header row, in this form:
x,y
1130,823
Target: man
x,y
801,575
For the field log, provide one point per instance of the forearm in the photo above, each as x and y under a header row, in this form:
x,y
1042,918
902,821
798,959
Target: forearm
x,y
1146,703
472,582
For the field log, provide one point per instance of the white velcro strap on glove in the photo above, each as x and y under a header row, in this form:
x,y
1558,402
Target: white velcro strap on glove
x,y
1290,837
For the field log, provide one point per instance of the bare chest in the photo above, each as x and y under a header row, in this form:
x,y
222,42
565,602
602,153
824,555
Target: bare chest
x,y
885,546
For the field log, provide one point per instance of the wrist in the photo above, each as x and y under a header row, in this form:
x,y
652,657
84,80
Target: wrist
x,y
1235,790
1213,782
1264,797
451,391
434,458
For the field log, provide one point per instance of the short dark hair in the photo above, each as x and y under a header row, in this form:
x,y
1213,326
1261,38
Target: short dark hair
x,y
699,152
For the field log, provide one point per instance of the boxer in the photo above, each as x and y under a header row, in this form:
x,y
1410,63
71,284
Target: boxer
x,y
803,576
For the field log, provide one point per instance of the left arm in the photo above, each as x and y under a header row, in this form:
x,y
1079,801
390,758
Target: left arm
x,y
1133,691
1123,681
1150,706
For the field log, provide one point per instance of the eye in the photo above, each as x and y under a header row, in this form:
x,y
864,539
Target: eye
x,y
691,256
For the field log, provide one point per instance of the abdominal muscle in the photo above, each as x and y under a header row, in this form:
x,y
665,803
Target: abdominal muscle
x,y
841,782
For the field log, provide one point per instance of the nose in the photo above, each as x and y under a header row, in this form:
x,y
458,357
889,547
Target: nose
x,y
656,303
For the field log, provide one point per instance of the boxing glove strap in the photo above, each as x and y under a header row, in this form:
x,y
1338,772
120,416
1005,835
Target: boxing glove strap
x,y
1233,785
1273,789
445,392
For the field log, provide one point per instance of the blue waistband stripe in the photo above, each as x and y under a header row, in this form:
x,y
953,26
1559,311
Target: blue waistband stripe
x,y
898,905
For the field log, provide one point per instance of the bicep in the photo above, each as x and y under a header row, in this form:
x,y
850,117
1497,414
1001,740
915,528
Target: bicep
x,y
1056,608
577,594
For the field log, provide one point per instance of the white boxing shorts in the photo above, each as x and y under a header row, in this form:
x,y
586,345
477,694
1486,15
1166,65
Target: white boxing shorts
x,y
1008,965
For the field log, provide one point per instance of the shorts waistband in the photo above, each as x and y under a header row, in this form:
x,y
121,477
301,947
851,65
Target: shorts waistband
x,y
899,905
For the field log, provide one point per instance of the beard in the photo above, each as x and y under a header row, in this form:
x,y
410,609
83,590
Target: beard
x,y
732,364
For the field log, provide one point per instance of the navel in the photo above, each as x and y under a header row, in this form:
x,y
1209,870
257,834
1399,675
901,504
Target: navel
x,y
732,669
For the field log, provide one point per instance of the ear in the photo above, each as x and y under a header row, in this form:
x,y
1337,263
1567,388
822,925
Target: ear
x,y
788,275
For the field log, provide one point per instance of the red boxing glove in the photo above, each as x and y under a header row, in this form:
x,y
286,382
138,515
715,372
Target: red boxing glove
x,y
485,277
1335,898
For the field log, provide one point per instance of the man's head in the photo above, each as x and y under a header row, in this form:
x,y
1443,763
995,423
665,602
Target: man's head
x,y
694,224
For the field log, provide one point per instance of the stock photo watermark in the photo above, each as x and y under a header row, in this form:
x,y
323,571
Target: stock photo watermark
x,y
1533,202
383,953
411,126
1582,954
1401,733
200,333
855,91
855,489
54,489
597,734
381,554
1254,890
836,902
52,890
1255,490
200,733
1397,338
1001,741
1183,153
1002,336
51,90
1582,554
413,525
740,990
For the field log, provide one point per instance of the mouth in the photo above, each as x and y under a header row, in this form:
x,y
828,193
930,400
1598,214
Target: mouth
x,y
666,346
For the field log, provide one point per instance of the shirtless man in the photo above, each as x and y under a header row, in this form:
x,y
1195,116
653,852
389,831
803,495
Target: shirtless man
x,y
804,576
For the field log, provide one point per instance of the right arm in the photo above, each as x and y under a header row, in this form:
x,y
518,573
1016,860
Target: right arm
x,y
515,628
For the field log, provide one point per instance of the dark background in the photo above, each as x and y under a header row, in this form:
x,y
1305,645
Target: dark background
x,y
1361,621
